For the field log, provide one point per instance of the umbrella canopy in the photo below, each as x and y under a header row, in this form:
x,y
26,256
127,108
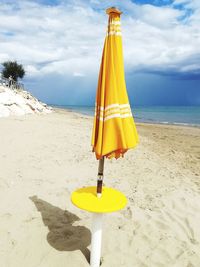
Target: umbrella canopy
x,y
114,130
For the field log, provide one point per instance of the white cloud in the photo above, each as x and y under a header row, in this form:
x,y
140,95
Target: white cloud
x,y
160,17
68,38
78,74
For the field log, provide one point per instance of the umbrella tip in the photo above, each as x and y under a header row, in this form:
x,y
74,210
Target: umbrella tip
x,y
113,9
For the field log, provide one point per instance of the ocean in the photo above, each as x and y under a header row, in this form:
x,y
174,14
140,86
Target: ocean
x,y
180,115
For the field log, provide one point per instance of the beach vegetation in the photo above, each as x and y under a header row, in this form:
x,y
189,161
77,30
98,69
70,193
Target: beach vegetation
x,y
13,69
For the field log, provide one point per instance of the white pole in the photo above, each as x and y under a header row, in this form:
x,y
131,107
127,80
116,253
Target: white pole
x,y
97,222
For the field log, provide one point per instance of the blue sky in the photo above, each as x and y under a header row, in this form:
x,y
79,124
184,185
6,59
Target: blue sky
x,y
60,44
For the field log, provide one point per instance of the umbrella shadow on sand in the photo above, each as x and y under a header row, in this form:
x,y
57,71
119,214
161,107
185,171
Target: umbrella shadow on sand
x,y
62,235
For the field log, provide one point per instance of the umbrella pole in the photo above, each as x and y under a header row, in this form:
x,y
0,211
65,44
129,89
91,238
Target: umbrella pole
x,y
100,177
95,256
97,222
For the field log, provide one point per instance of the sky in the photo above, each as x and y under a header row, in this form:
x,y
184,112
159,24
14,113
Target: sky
x,y
60,45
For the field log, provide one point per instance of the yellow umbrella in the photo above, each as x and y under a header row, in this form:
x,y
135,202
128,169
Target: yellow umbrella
x,y
114,130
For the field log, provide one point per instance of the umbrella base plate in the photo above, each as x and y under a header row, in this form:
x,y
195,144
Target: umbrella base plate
x,y
110,201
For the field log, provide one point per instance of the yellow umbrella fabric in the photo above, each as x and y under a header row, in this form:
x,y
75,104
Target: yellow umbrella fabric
x,y
114,130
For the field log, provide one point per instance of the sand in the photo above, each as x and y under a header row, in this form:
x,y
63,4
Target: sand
x,y
43,158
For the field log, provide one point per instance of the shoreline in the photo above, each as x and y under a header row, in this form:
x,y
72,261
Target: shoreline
x,y
57,109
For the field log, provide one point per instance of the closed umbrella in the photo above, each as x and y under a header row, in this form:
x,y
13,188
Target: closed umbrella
x,y
114,132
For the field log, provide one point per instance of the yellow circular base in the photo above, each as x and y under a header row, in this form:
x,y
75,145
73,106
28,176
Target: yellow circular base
x,y
86,199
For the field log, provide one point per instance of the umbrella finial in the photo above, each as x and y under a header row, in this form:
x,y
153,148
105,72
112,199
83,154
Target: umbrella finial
x,y
113,9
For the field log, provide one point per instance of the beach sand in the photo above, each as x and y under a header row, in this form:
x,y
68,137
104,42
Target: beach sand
x,y
44,158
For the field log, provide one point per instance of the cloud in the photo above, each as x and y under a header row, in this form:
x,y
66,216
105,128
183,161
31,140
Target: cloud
x,y
78,74
63,36
66,37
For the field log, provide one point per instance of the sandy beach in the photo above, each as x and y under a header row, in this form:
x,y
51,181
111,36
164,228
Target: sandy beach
x,y
44,158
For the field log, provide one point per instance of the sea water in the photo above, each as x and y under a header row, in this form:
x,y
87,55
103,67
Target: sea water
x,y
183,115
